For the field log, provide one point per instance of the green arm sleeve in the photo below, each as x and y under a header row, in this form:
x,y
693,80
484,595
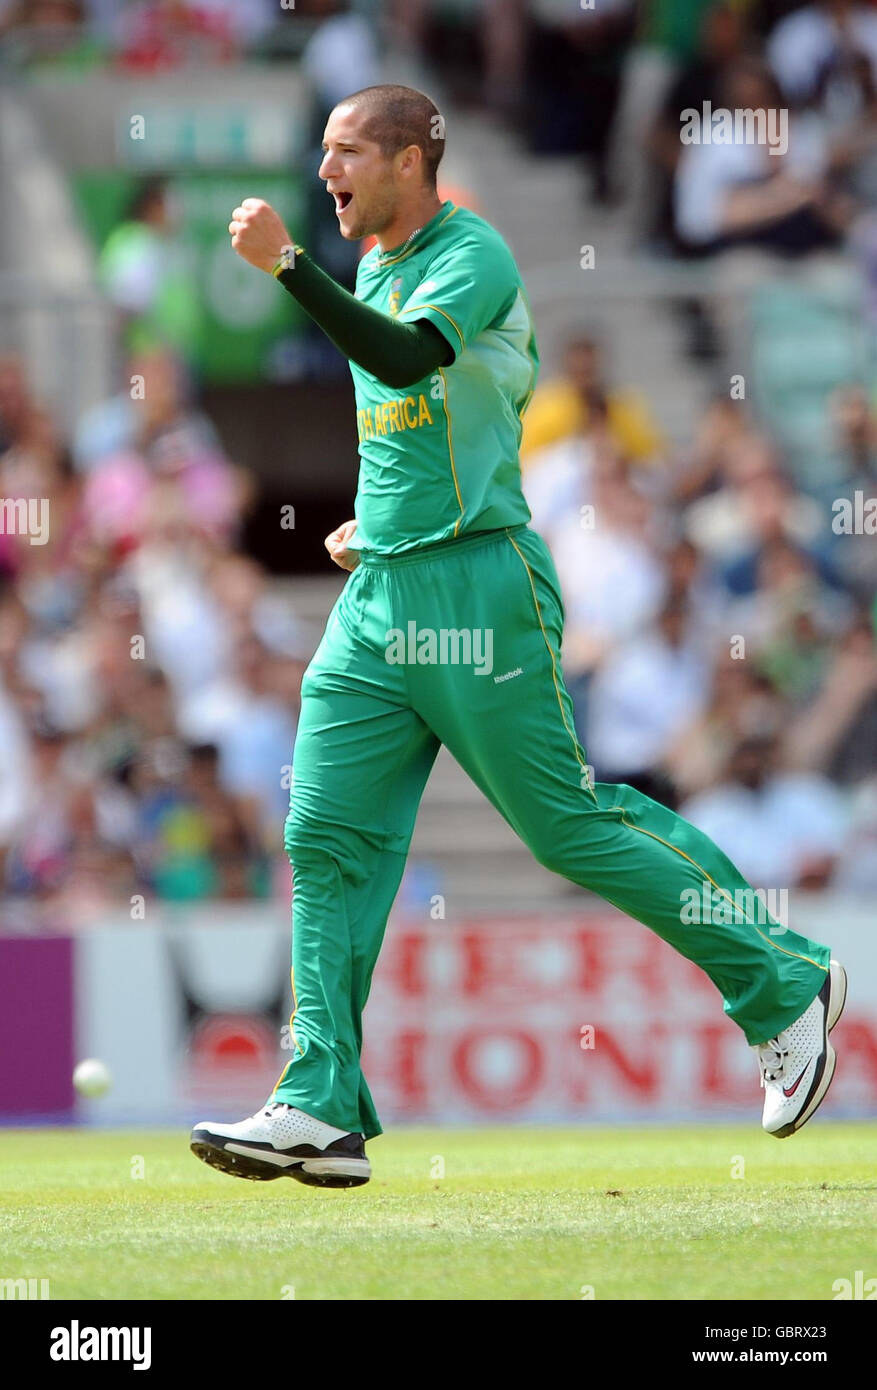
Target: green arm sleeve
x,y
397,353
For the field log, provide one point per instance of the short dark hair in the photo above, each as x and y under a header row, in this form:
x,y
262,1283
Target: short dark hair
x,y
396,117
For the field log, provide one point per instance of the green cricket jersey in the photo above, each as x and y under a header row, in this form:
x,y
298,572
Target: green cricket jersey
x,y
439,459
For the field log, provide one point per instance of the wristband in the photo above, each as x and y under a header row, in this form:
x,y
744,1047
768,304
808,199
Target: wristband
x,y
287,259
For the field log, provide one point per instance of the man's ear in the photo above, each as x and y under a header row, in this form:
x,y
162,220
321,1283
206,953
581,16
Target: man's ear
x,y
410,160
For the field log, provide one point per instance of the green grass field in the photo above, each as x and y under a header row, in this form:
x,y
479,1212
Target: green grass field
x,y
519,1214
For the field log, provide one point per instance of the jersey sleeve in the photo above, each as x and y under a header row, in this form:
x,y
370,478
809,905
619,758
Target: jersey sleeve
x,y
466,288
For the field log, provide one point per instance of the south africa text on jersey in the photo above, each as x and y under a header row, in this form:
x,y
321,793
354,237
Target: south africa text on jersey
x,y
407,413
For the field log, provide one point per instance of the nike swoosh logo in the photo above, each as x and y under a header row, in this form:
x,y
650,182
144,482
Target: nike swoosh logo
x,y
790,1090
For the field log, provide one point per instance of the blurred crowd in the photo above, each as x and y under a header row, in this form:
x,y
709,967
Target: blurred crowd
x,y
149,671
720,617
720,595
720,598
143,37
608,82
719,647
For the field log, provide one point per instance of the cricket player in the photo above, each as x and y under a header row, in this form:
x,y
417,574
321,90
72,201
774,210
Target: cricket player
x,y
448,631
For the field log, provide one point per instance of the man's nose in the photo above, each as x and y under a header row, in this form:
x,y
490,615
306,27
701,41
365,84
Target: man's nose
x,y
327,167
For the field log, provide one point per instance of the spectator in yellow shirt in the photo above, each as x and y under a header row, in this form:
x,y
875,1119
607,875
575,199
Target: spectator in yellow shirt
x,y
570,404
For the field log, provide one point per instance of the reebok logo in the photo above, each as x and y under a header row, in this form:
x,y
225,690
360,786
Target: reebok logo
x,y
509,675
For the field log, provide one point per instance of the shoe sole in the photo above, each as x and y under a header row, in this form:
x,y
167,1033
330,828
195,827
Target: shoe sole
x,y
314,1172
837,998
326,1172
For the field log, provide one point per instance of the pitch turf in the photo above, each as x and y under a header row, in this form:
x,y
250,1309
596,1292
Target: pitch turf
x,y
519,1214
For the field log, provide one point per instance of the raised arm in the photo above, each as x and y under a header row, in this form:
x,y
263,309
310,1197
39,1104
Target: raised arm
x,y
396,352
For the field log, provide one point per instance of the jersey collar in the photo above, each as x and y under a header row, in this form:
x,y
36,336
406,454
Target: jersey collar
x,y
420,238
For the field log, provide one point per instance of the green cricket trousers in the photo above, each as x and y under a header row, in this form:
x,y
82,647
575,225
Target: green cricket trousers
x,y
460,644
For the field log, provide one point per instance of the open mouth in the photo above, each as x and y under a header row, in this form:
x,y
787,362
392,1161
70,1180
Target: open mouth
x,y
342,200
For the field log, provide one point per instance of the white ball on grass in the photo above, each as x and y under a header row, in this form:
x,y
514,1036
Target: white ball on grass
x,y
92,1077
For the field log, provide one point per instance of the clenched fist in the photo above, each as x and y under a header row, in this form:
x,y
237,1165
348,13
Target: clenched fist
x,y
336,544
258,233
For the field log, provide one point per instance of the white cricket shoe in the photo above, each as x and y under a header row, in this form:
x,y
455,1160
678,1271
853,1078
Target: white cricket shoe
x,y
281,1141
797,1065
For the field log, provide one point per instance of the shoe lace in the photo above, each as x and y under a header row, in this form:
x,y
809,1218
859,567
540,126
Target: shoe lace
x,y
773,1057
273,1107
